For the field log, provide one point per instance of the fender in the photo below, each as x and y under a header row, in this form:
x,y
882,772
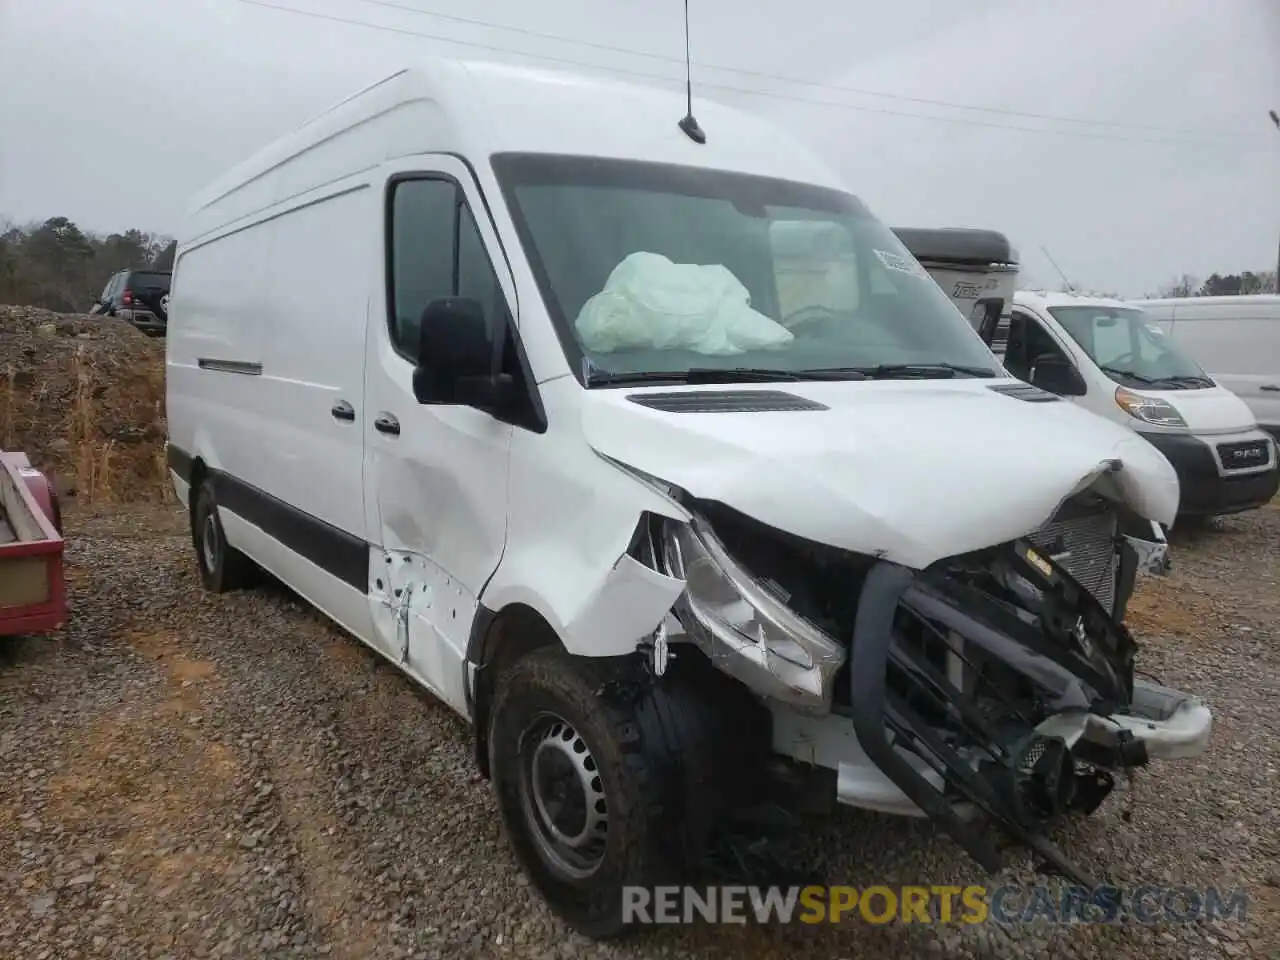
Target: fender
x,y
572,516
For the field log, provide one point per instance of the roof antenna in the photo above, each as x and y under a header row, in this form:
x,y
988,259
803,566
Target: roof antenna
x,y
1070,287
689,125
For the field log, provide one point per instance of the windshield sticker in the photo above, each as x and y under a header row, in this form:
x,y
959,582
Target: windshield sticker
x,y
894,261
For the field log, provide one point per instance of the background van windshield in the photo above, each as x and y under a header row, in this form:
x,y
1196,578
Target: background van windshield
x,y
649,268
1130,348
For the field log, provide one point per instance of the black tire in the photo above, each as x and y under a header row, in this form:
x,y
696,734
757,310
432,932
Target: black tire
x,y
637,737
222,567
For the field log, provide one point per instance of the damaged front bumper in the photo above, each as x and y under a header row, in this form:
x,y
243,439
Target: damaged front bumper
x,y
996,684
967,703
748,626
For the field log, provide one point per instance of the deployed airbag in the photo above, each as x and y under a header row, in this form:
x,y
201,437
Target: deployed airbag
x,y
649,302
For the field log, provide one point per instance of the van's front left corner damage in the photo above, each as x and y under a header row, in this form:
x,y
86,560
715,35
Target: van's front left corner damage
x,y
626,609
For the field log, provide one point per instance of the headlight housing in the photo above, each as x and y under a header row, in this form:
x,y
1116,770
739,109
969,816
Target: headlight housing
x,y
1153,410
743,626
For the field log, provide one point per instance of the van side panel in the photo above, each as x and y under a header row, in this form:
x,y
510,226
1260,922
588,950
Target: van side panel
x,y
1240,348
216,325
267,388
315,300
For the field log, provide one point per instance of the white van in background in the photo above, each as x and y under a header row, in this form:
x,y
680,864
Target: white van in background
x,y
1110,357
503,371
1236,339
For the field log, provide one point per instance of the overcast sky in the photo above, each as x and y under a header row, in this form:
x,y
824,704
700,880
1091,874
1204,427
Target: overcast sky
x,y
115,111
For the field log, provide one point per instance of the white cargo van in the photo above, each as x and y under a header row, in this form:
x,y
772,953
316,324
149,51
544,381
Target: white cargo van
x,y
1236,339
1113,359
499,369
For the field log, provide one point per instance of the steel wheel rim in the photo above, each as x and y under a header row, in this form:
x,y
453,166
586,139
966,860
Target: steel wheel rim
x,y
562,797
209,541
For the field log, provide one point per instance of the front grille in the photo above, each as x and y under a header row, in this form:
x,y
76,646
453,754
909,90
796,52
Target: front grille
x,y
1083,543
1246,454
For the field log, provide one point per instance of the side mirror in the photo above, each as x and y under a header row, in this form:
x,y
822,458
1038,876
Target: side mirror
x,y
1057,375
455,362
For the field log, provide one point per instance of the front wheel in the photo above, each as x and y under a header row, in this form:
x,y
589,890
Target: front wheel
x,y
587,773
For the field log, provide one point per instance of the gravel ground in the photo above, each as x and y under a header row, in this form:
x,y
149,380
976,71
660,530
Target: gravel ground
x,y
190,776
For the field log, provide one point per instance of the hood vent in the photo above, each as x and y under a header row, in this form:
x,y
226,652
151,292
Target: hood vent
x,y
725,401
1025,391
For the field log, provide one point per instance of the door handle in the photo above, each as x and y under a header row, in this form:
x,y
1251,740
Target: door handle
x,y
343,411
386,423
1273,387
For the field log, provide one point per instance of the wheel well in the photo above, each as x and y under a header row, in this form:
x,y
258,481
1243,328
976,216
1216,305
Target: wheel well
x,y
198,472
499,639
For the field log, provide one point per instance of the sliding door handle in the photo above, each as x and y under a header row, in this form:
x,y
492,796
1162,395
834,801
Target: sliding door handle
x,y
1273,387
387,424
343,411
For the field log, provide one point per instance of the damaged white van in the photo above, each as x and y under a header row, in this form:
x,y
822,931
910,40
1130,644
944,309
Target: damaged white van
x,y
500,369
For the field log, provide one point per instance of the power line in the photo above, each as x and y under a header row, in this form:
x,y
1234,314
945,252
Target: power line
x,y
783,78
961,121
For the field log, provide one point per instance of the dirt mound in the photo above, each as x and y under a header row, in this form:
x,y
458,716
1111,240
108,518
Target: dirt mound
x,y
84,397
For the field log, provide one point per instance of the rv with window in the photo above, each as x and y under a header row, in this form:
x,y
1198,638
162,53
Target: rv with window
x,y
528,384
977,269
1114,359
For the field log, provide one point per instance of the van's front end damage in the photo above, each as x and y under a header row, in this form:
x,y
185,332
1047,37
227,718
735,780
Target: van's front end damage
x,y
999,682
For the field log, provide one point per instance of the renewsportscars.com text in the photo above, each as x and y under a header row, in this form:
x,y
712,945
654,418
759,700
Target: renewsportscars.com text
x,y
1150,904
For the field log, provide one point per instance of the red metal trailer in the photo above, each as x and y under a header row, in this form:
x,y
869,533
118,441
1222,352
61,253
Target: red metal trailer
x,y
33,595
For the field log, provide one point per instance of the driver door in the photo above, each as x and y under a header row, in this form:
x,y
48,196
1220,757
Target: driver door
x,y
1033,354
435,475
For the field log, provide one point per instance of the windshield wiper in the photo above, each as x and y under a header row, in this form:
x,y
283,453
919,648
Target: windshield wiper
x,y
940,371
1188,379
697,375
1128,375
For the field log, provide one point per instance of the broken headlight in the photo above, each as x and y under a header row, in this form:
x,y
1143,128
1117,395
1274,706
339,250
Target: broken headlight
x,y
744,625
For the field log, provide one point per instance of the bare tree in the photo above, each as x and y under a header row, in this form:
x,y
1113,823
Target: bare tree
x,y
1183,286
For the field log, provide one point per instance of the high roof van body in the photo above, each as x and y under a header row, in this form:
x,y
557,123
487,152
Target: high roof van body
x,y
502,370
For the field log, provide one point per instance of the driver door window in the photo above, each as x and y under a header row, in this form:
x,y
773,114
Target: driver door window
x,y
1029,343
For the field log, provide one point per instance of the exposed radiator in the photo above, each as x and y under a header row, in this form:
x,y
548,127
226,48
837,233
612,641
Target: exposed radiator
x,y
1082,540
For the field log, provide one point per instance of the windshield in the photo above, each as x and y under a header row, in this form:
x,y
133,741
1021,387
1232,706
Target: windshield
x,y
1130,348
653,271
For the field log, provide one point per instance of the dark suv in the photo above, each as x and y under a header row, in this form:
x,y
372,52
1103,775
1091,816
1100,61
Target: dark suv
x,y
139,296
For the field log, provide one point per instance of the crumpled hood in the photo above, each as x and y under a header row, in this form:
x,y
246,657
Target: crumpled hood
x,y
911,471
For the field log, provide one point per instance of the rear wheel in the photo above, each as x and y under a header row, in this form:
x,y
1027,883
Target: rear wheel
x,y
222,567
589,782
